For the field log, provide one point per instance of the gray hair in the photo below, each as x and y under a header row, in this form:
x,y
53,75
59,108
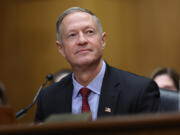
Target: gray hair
x,y
72,10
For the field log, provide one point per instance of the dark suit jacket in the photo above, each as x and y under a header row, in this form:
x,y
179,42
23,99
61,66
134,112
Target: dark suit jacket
x,y
123,92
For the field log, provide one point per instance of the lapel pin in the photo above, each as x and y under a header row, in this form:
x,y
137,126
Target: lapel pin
x,y
107,109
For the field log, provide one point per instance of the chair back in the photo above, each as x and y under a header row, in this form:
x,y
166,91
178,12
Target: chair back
x,y
169,100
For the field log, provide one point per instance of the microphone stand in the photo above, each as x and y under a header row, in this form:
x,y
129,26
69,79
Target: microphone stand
x,y
22,112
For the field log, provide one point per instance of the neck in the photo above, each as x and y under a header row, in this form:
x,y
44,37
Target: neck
x,y
84,75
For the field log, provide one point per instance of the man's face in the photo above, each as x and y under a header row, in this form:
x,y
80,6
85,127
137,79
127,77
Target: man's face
x,y
81,41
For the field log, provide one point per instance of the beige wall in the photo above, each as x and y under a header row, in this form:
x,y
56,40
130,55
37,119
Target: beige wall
x,y
141,35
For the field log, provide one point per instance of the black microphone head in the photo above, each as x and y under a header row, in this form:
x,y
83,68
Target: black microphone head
x,y
49,77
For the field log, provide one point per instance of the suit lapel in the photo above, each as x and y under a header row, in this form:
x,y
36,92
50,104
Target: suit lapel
x,y
109,93
68,88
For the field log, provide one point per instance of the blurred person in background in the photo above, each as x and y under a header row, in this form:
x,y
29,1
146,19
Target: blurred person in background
x,y
166,78
3,98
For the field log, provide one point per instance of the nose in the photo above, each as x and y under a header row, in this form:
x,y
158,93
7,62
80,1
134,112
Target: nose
x,y
82,39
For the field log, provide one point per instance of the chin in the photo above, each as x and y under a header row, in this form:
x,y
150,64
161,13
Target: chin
x,y
85,61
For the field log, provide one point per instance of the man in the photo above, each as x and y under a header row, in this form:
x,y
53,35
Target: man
x,y
111,91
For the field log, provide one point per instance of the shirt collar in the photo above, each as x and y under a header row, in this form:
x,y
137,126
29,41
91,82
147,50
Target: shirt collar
x,y
95,85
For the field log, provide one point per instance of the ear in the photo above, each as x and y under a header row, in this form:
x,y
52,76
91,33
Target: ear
x,y
103,39
60,48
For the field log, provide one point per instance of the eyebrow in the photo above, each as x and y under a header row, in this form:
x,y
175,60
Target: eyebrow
x,y
87,27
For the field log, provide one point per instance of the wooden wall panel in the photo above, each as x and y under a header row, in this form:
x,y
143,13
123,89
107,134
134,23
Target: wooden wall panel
x,y
141,35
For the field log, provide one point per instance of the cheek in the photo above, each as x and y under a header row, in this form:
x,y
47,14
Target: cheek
x,y
69,51
100,46
96,43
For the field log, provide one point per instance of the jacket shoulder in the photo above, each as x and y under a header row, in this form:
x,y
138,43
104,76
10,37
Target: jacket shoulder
x,y
59,86
129,79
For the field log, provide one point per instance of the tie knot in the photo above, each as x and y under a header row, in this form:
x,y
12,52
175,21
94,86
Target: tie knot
x,y
85,92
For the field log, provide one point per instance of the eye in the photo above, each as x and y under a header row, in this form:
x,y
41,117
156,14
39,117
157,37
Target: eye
x,y
90,31
72,35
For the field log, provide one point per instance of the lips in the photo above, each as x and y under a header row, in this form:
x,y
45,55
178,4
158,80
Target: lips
x,y
83,51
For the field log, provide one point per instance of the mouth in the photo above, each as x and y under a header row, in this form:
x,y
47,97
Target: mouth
x,y
81,51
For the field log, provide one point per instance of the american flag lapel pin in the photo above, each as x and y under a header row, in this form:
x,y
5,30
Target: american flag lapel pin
x,y
107,109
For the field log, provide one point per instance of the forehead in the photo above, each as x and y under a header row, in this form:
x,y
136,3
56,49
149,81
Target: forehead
x,y
78,18
163,79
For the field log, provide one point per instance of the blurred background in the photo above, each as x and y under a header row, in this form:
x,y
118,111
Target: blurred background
x,y
141,36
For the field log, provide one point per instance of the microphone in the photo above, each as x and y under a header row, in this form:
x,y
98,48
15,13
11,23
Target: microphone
x,y
22,112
